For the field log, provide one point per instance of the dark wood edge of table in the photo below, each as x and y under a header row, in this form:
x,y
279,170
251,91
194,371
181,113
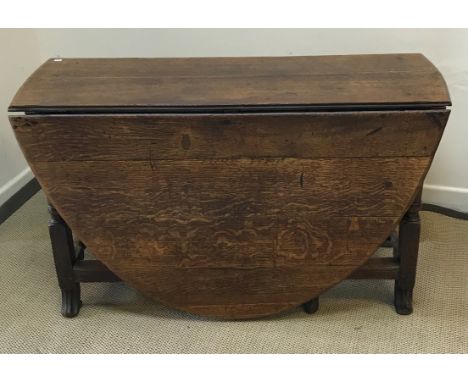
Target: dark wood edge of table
x,y
191,109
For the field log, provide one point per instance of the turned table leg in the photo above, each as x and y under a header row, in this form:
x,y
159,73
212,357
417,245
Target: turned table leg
x,y
64,256
407,255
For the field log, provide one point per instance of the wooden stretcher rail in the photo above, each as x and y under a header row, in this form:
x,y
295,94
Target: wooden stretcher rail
x,y
91,271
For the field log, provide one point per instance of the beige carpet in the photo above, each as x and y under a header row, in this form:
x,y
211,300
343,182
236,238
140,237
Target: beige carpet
x,y
354,317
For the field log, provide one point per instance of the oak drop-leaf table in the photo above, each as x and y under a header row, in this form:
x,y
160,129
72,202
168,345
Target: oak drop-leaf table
x,y
232,187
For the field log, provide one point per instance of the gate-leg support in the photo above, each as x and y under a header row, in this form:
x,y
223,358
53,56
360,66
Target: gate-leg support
x,y
64,257
407,255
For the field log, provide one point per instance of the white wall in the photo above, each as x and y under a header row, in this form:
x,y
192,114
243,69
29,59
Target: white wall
x,y
447,181
19,57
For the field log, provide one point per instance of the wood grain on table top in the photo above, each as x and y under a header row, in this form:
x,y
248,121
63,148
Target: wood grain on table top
x,y
245,82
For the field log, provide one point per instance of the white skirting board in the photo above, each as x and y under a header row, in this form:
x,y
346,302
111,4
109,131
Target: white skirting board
x,y
455,198
14,185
